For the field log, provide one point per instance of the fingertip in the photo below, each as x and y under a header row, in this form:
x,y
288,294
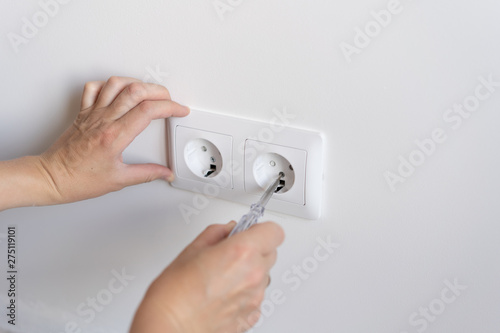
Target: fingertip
x,y
186,110
230,225
171,109
167,174
144,173
170,177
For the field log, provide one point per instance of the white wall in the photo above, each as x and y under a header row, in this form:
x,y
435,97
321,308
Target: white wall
x,y
397,249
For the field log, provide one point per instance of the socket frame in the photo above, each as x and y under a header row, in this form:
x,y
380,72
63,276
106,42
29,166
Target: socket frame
x,y
240,130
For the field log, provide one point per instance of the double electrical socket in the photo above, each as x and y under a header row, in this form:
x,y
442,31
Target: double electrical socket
x,y
237,159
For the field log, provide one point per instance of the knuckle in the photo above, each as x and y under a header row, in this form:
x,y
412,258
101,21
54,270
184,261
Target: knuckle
x,y
136,90
89,86
148,179
242,250
114,80
146,107
165,90
211,228
80,118
256,276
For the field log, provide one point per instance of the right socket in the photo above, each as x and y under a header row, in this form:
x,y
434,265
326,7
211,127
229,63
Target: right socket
x,y
267,167
263,163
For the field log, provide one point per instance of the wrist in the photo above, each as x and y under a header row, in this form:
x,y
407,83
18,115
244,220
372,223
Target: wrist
x,y
50,190
151,317
26,182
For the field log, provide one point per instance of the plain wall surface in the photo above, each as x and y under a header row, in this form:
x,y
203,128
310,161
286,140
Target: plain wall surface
x,y
397,250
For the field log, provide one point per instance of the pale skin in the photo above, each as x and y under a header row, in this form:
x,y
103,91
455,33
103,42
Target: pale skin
x,y
216,283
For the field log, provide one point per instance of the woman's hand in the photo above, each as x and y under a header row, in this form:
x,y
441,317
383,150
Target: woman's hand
x,y
214,285
86,161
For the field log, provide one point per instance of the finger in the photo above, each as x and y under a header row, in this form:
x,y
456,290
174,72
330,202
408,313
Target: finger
x,y
135,93
270,260
112,88
91,91
266,236
137,119
266,281
213,234
134,174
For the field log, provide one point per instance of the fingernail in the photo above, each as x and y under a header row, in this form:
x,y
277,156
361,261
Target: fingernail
x,y
170,178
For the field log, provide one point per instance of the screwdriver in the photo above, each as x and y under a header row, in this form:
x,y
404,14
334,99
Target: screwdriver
x,y
257,209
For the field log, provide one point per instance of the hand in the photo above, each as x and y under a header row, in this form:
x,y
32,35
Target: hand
x,y
214,284
86,161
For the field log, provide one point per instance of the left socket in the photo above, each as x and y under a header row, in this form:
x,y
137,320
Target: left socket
x,y
203,156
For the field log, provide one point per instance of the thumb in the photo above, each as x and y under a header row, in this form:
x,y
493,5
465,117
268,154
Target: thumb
x,y
213,234
143,173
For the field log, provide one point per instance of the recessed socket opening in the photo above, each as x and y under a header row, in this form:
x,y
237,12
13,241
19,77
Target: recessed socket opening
x,y
213,169
266,169
281,186
203,158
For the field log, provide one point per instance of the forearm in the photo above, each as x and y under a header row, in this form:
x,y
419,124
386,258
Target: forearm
x,y
25,182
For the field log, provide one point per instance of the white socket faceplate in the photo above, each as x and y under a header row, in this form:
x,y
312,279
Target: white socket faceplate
x,y
242,142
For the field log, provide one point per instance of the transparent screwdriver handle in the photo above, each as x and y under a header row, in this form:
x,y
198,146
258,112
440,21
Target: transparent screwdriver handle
x,y
256,209
249,219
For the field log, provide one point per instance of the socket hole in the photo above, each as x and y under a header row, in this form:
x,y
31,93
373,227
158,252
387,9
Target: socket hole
x,y
212,169
281,185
